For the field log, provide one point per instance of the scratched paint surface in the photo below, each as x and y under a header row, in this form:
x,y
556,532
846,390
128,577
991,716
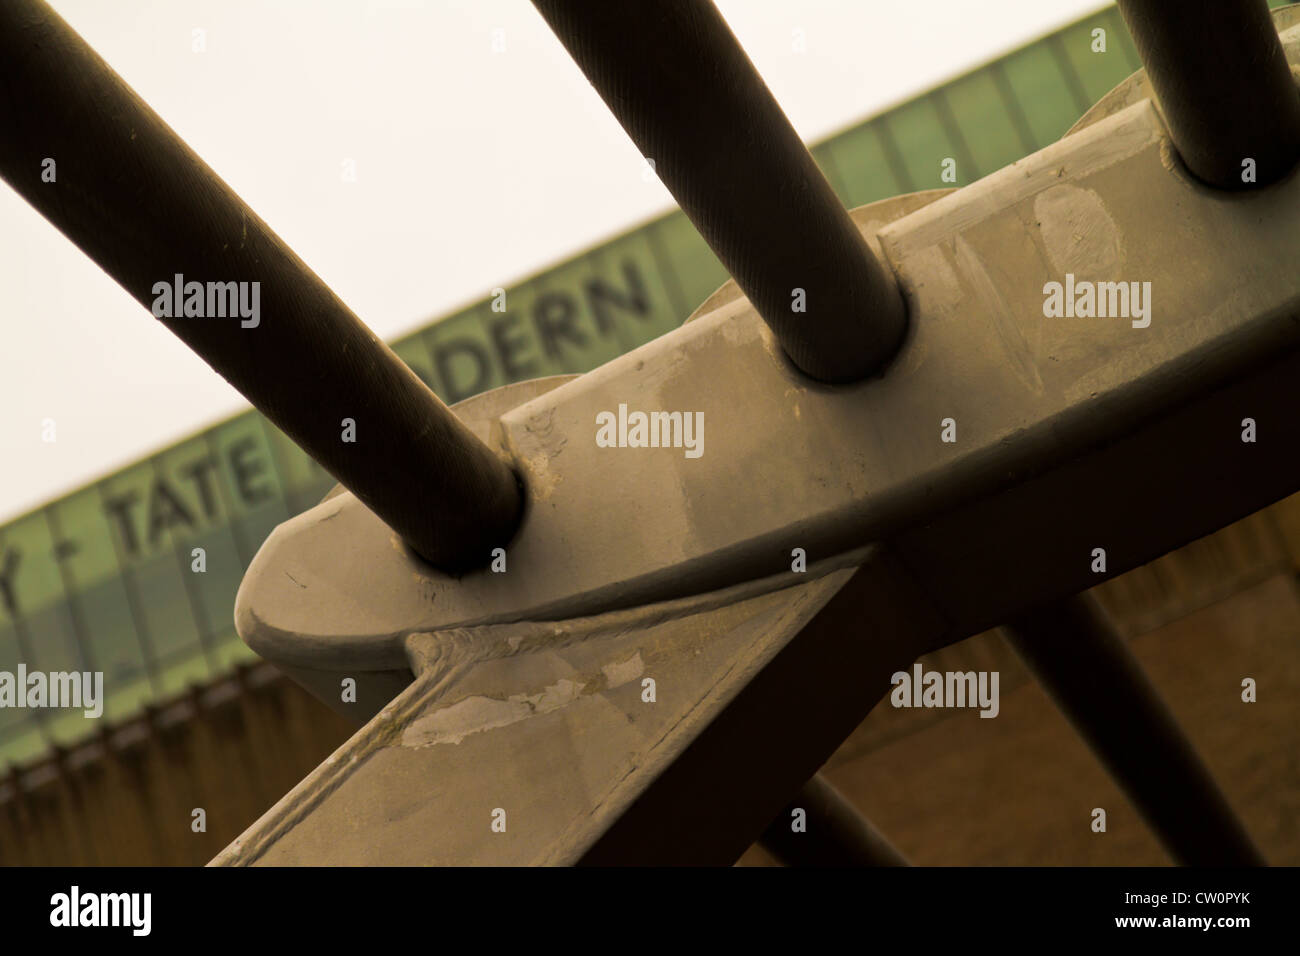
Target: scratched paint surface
x,y
102,579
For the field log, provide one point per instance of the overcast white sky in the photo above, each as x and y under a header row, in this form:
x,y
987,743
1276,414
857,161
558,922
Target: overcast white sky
x,y
474,169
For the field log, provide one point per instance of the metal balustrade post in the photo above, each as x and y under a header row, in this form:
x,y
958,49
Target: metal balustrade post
x,y
682,87
140,203
1224,86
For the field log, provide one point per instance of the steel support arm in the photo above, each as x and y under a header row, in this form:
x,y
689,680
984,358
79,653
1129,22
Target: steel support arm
x,y
826,470
658,697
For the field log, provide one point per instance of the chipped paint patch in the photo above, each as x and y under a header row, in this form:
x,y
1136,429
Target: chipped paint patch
x,y
1078,233
451,725
543,481
616,675
545,442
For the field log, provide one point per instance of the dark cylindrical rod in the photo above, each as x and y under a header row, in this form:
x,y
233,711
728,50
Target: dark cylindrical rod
x,y
98,163
1099,685
833,833
688,96
1223,85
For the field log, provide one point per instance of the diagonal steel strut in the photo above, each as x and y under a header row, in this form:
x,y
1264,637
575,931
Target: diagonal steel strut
x,y
1097,682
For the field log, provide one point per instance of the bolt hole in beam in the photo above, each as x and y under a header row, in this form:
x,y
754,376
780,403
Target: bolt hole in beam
x,y
678,81
1222,81
149,211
